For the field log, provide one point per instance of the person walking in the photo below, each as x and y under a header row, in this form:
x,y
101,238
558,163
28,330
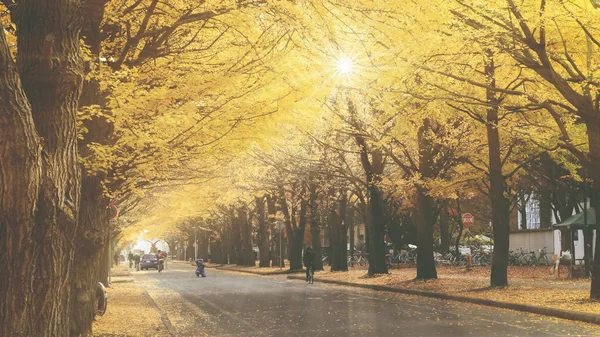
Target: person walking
x,y
130,259
200,270
309,261
136,260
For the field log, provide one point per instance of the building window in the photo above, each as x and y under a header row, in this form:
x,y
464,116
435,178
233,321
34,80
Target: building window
x,y
532,213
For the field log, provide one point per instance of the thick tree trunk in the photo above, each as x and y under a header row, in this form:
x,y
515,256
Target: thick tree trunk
x,y
593,131
425,207
39,195
375,229
338,260
20,175
500,204
425,261
351,230
103,262
376,233
315,229
217,252
92,236
295,234
235,254
263,233
246,230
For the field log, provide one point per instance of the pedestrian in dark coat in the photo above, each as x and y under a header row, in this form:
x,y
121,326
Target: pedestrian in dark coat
x,y
309,261
200,270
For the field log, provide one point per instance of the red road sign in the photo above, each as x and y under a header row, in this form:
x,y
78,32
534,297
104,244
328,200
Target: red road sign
x,y
468,219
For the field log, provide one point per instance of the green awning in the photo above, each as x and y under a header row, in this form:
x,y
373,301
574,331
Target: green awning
x,y
579,221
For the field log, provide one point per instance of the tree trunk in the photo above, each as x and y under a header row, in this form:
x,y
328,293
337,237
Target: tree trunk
x,y
247,257
92,237
276,261
235,254
315,229
375,229
39,195
217,252
444,230
263,232
425,261
203,238
351,229
593,131
500,204
338,260
295,233
425,206
523,209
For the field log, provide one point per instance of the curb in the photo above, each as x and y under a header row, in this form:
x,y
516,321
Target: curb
x,y
558,313
283,272
163,316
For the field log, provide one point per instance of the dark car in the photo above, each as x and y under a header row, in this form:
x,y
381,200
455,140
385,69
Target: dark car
x,y
149,261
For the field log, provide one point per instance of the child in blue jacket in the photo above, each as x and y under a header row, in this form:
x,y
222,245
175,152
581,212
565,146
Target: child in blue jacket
x,y
200,270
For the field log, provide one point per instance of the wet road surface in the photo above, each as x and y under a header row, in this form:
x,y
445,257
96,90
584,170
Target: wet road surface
x,y
235,304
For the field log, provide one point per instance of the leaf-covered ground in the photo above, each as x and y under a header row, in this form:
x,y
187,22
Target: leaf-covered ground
x,y
528,285
129,313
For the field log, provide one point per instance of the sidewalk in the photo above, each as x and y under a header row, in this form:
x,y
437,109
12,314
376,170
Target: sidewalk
x,y
129,310
559,298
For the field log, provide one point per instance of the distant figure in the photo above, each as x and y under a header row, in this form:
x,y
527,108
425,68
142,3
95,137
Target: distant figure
x,y
130,259
136,259
161,256
117,258
200,270
309,260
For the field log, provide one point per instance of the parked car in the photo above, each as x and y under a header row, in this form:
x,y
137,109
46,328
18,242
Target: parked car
x,y
149,261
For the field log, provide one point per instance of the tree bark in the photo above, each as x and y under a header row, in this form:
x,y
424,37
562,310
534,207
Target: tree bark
x,y
295,233
315,228
21,173
92,236
593,132
39,195
203,238
500,204
425,207
444,230
263,232
338,259
275,233
246,230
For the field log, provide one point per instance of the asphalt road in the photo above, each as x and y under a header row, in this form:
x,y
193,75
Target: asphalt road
x,y
235,304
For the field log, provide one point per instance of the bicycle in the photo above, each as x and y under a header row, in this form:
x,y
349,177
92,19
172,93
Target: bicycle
x,y
161,265
100,300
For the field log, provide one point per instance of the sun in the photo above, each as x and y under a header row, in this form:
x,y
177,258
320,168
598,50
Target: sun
x,y
344,66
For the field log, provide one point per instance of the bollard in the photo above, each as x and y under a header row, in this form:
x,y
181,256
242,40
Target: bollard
x,y
469,261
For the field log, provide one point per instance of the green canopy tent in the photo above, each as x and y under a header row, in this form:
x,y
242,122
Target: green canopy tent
x,y
585,221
